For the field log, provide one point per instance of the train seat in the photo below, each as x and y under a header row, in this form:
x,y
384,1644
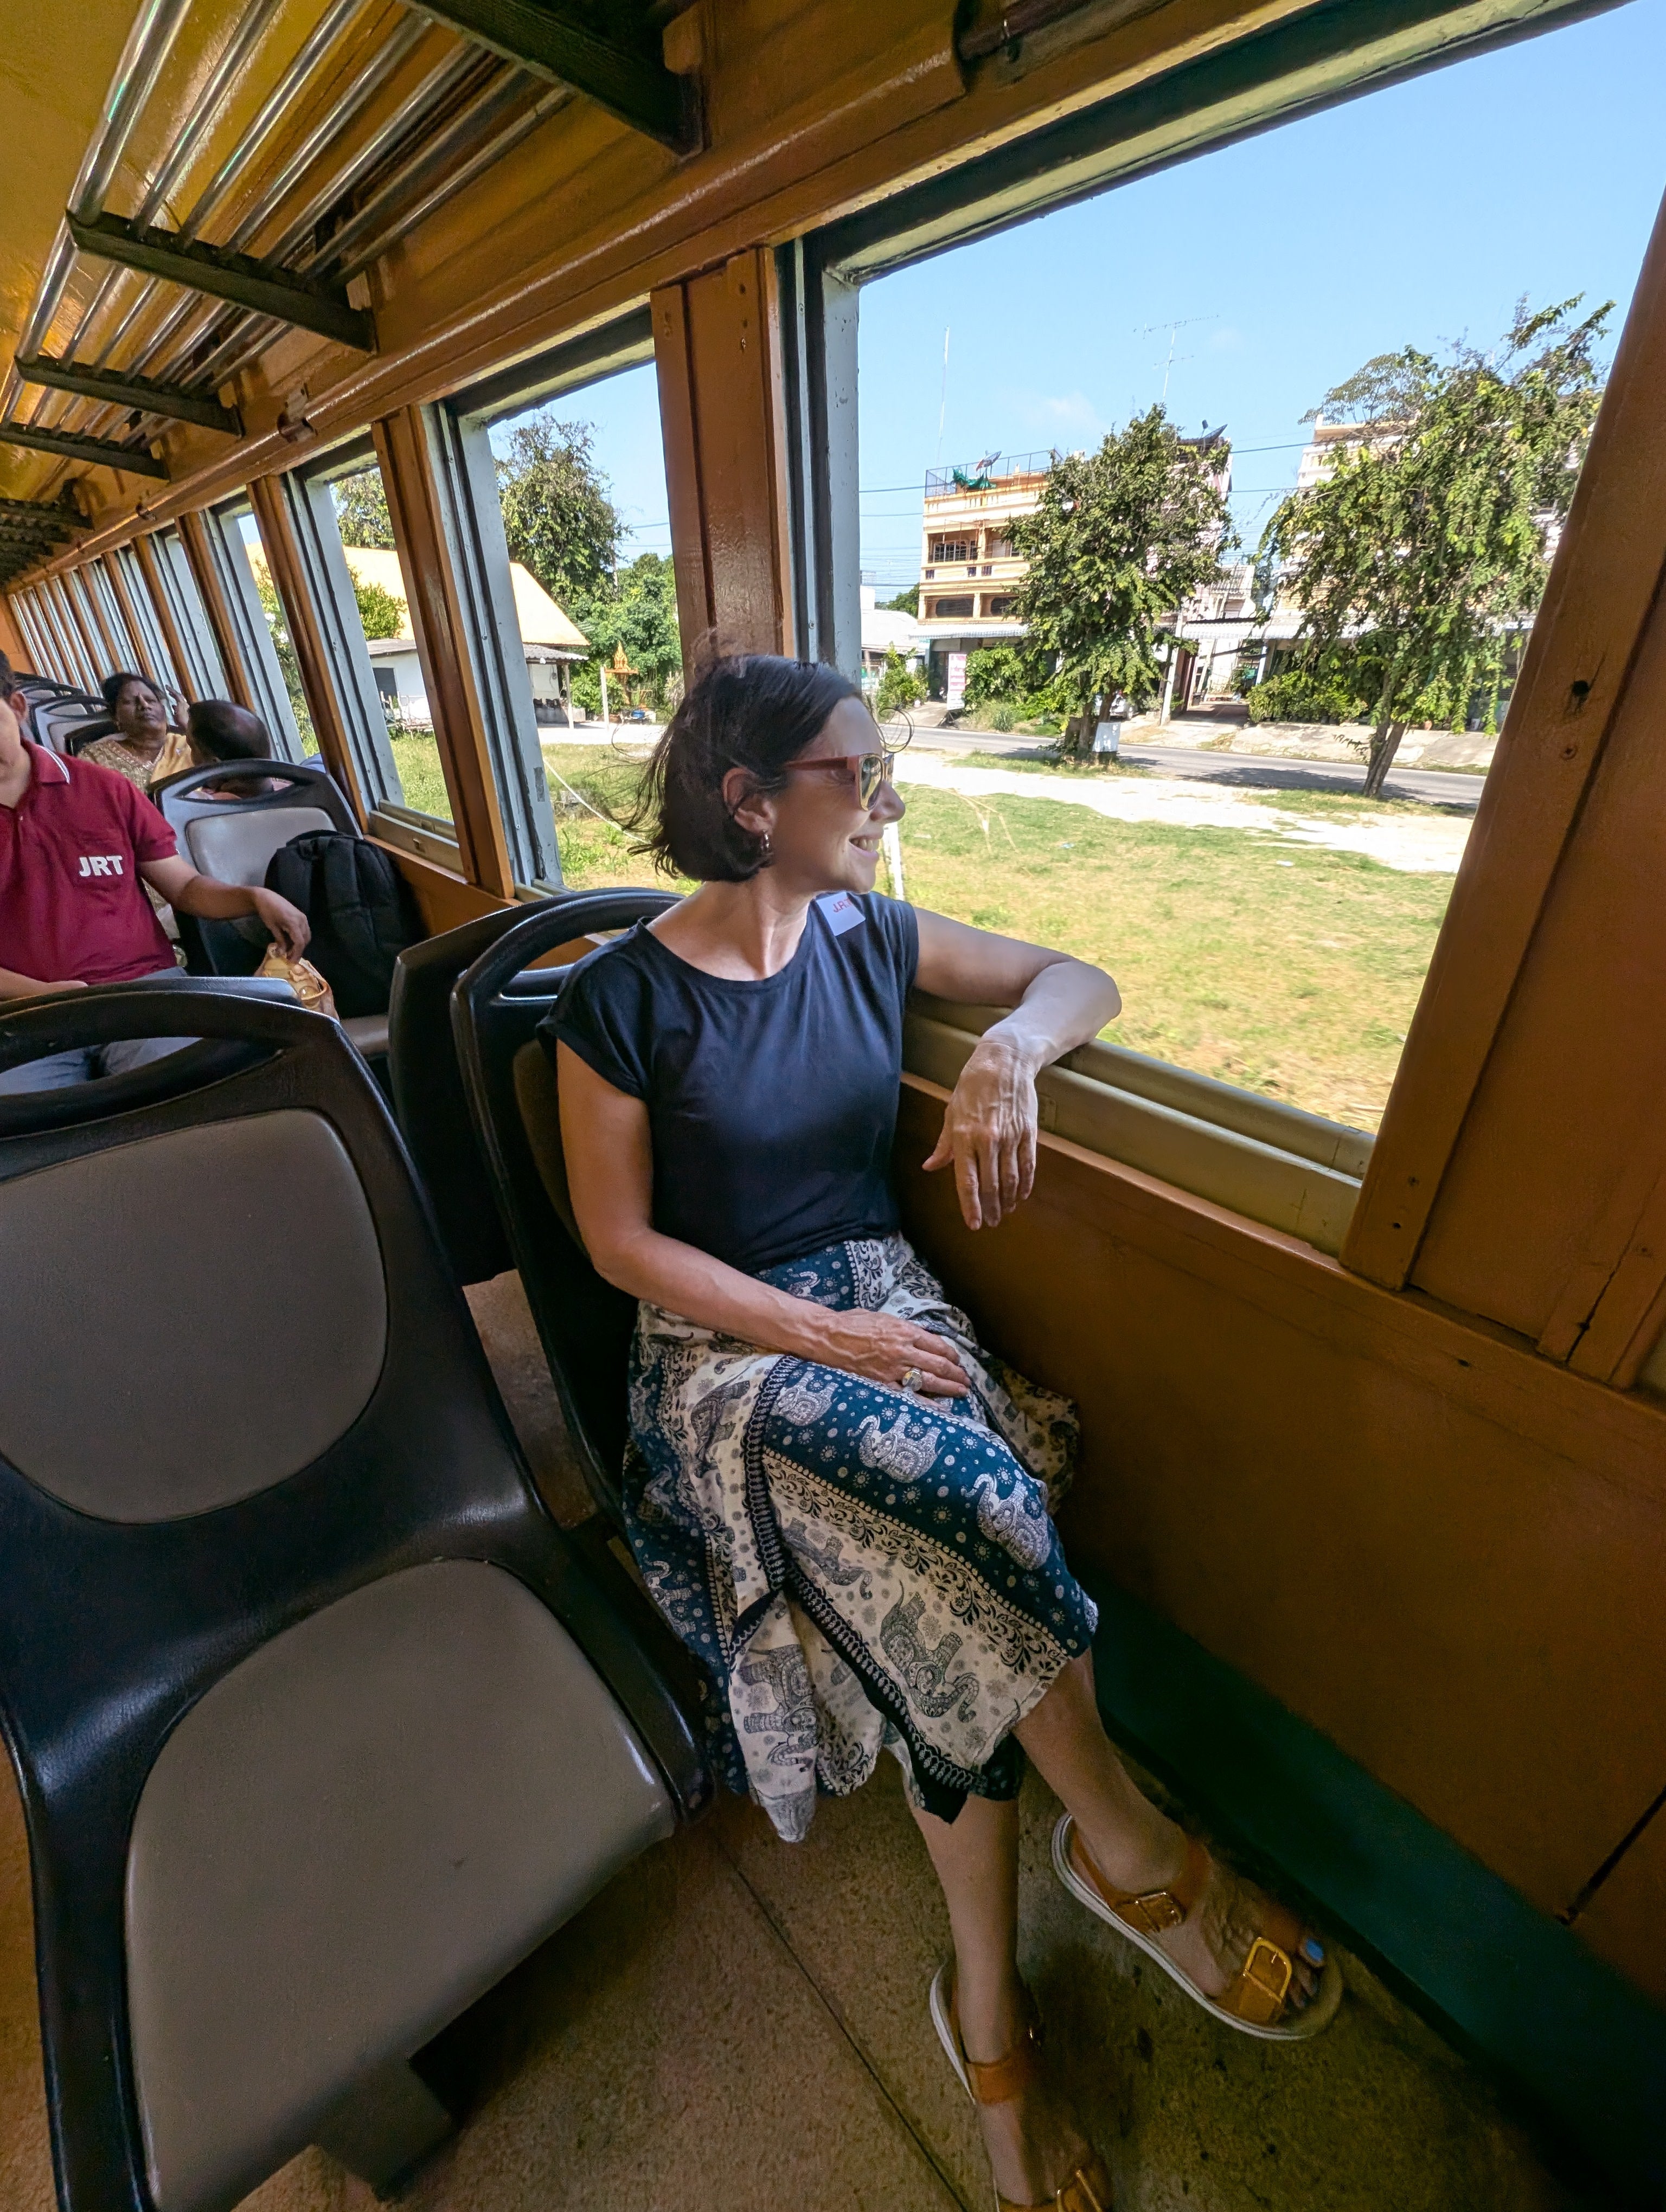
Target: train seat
x,y
321,1723
426,1083
235,839
583,1322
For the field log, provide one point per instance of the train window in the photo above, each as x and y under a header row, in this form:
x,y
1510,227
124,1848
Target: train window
x,y
1199,721
204,671
23,614
48,654
78,667
337,510
255,617
111,620
130,578
559,468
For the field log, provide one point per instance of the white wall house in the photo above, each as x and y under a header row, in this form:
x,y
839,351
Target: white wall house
x,y
552,641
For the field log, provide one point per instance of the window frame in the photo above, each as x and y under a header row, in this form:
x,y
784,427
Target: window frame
x,y
466,475
207,674
228,554
155,639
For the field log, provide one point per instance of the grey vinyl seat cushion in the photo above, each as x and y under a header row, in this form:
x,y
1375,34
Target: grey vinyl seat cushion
x,y
367,1034
132,1422
235,847
352,1836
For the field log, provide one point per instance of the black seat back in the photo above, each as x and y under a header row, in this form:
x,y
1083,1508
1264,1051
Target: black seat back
x,y
235,839
585,1324
428,1098
243,1395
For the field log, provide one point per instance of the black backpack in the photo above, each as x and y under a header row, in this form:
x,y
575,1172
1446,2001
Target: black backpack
x,y
361,909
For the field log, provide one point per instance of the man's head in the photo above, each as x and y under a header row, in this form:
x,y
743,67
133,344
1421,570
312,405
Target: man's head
x,y
13,708
219,731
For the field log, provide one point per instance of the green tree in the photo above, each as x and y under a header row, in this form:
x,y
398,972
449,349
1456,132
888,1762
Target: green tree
x,y
559,521
381,612
1121,538
900,687
283,646
362,514
905,602
639,613
1424,546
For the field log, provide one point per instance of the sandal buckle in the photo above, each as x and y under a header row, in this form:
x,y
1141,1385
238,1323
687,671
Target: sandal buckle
x,y
1268,1970
1158,1912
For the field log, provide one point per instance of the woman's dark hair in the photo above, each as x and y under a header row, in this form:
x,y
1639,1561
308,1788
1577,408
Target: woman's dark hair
x,y
756,711
114,686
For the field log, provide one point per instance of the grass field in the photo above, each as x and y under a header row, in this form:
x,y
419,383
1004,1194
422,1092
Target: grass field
x,y
1291,970
417,759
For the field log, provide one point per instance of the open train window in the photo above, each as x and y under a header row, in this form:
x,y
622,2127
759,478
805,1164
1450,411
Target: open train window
x,y
1098,559
151,638
559,472
338,514
259,627
205,670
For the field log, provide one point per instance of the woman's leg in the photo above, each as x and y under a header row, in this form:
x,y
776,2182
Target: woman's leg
x,y
1032,2142
1134,1846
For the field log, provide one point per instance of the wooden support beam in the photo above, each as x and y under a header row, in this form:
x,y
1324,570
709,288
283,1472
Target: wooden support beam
x,y
288,574
121,390
150,565
437,624
193,536
625,74
716,347
260,285
137,460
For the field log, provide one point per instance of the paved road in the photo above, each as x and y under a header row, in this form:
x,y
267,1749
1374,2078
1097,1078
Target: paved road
x,y
1257,771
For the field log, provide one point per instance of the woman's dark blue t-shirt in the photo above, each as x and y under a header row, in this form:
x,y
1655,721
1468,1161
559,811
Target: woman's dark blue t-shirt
x,y
772,1105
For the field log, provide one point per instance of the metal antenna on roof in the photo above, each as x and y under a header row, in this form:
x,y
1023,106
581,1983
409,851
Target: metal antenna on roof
x,y
943,396
1152,330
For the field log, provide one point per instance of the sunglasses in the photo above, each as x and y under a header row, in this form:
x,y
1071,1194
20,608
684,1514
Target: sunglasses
x,y
868,770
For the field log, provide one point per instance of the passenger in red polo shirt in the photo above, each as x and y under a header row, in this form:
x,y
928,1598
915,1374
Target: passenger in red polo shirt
x,y
77,845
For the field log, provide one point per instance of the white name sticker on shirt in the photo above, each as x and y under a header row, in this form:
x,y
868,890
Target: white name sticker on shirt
x,y
840,912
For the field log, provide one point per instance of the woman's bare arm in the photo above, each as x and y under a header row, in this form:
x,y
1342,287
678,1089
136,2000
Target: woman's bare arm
x,y
610,1172
1058,1003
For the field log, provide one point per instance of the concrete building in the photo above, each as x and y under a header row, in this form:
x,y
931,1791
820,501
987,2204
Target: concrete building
x,y
886,630
969,572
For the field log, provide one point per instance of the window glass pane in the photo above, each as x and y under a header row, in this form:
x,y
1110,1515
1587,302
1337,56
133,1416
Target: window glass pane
x,y
76,668
98,583
581,485
207,672
1148,652
261,628
379,622
144,613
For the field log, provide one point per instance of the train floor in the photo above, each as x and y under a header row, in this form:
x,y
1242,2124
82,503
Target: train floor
x,y
740,2026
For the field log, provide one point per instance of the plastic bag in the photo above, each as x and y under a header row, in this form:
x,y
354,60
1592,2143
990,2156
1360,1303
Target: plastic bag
x,y
309,987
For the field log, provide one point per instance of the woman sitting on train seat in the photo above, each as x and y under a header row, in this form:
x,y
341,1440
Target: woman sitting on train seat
x,y
141,716
841,1501
218,730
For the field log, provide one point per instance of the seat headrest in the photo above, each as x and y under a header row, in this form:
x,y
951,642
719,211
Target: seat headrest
x,y
235,845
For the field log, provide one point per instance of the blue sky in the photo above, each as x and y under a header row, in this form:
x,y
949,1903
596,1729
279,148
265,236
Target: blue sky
x,y
1412,216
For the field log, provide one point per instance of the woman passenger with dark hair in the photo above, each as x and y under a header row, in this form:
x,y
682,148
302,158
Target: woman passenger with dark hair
x,y
140,713
841,1501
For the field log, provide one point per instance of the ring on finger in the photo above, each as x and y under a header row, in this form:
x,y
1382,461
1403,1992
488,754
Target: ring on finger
x,y
912,1378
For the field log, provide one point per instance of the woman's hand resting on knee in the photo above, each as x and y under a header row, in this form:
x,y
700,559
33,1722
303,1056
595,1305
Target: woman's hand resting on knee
x,y
886,1349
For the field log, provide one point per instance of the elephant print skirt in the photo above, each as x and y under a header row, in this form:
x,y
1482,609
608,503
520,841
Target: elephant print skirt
x,y
857,1568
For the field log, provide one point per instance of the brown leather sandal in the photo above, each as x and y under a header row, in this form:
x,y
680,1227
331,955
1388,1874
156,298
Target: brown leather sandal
x,y
997,2080
1257,2000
